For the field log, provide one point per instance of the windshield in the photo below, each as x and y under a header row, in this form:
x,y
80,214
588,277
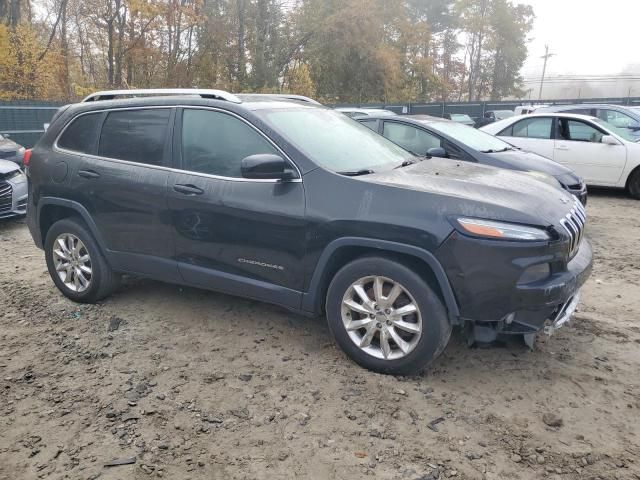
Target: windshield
x,y
476,139
333,140
621,132
460,117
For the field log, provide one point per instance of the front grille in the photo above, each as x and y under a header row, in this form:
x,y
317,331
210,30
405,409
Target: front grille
x,y
9,154
574,223
6,194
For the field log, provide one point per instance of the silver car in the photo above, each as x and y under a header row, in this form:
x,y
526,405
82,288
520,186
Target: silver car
x,y
13,190
10,150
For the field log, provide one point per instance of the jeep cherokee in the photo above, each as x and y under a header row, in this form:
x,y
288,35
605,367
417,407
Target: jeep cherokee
x,y
292,203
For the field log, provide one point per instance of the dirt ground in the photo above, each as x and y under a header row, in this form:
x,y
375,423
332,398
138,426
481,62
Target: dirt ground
x,y
194,384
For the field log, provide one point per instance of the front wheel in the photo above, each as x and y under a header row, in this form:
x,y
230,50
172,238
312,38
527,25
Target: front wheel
x,y
633,184
386,317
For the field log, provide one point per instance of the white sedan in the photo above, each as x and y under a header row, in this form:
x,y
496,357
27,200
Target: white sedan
x,y
596,150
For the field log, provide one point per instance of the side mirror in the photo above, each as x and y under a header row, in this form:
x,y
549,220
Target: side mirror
x,y
265,166
609,140
437,152
635,126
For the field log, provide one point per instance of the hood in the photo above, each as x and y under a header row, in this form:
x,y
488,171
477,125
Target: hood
x,y
7,167
7,145
492,193
529,161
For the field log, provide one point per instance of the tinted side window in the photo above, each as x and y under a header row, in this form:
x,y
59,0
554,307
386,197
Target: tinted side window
x,y
80,136
215,143
410,138
533,128
135,135
578,131
372,124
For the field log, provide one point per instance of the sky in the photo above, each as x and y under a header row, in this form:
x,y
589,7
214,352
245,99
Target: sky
x,y
588,37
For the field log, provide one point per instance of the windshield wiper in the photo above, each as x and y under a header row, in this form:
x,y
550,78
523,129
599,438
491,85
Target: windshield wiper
x,y
505,149
356,173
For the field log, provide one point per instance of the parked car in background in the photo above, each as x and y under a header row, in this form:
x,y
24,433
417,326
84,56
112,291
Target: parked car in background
x,y
596,150
10,150
462,118
13,190
494,115
364,112
617,115
527,109
436,137
300,206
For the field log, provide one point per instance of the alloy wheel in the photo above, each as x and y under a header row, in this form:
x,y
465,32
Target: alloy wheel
x,y
72,262
381,317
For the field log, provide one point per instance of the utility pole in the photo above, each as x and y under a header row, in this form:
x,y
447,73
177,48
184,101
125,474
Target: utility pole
x,y
546,57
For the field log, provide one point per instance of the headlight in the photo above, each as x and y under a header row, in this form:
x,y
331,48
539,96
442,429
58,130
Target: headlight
x,y
21,151
16,176
501,230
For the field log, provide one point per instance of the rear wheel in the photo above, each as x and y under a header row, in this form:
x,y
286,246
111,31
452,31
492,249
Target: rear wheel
x,y
633,185
386,317
76,264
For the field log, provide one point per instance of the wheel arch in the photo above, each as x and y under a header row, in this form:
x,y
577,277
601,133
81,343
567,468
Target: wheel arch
x,y
343,250
632,173
51,209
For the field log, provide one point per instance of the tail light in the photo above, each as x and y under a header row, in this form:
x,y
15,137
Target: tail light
x,y
26,158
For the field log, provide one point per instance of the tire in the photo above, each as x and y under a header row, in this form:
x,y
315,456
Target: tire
x,y
101,281
633,185
430,316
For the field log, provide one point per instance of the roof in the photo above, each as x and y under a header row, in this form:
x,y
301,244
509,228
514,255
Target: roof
x,y
573,106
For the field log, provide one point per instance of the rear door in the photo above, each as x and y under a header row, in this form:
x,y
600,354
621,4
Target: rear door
x,y
533,134
579,146
124,188
241,236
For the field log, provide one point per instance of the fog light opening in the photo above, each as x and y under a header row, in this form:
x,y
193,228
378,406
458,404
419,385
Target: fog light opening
x,y
535,273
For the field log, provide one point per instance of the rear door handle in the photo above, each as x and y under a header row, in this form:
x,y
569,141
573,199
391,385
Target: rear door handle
x,y
562,147
88,174
188,189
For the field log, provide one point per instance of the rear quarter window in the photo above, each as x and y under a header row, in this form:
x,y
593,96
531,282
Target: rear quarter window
x,y
81,134
135,135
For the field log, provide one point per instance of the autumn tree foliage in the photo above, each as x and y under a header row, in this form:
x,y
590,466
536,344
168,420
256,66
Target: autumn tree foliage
x,y
335,50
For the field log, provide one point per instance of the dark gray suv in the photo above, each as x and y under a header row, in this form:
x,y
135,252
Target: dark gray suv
x,y
291,203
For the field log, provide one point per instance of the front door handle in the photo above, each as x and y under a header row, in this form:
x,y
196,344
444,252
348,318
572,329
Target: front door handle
x,y
88,174
188,189
562,147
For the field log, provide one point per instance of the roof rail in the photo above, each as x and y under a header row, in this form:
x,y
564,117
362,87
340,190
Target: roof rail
x,y
151,92
282,96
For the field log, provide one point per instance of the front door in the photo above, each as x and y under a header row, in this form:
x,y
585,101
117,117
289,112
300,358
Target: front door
x,y
242,236
579,147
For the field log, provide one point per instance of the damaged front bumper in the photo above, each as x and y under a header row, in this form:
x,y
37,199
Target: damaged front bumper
x,y
486,282
564,315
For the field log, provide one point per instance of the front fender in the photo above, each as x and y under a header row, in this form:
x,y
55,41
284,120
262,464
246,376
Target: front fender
x,y
312,301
